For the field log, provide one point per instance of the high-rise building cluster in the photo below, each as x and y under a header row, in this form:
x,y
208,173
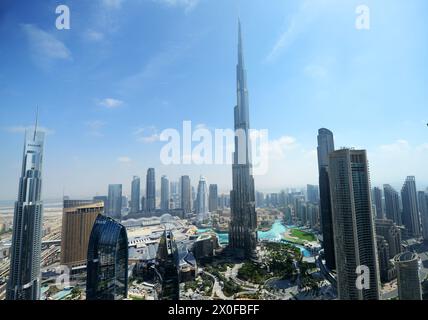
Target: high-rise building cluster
x,y
363,228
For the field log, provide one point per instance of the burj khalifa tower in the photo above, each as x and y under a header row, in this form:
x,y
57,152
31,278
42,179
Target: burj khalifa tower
x,y
243,224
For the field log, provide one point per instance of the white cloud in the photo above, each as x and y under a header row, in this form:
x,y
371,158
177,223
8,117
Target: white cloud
x,y
95,127
124,159
44,46
110,103
284,40
112,4
147,134
397,146
188,5
94,35
23,129
391,163
299,22
278,148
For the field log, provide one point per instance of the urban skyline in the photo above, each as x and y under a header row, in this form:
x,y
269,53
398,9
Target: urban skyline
x,y
185,238
121,121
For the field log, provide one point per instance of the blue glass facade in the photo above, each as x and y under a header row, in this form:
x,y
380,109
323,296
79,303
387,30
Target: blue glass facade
x,y
107,269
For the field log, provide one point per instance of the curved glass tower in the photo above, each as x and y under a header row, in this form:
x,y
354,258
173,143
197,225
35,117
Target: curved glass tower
x,y
24,274
243,224
107,269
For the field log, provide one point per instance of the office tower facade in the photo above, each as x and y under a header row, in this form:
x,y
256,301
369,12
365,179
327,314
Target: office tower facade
x,y
202,201
115,201
213,198
377,199
392,204
243,223
143,203
186,194
353,223
124,202
325,147
135,195
313,216
383,258
167,268
260,199
408,279
312,193
151,190
78,218
165,199
423,209
175,195
25,253
391,233
410,216
107,266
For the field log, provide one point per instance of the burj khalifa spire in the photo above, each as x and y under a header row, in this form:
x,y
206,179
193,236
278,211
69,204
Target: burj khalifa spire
x,y
243,224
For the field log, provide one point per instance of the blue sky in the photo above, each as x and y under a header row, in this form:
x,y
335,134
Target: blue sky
x,y
128,69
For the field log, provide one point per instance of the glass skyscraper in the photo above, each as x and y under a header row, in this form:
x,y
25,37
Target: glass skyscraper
x,y
25,253
165,199
114,206
243,224
151,190
213,198
135,195
410,217
392,204
107,268
353,223
186,194
325,147
202,201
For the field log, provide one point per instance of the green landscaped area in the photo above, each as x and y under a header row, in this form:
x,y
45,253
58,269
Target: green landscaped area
x,y
302,235
298,236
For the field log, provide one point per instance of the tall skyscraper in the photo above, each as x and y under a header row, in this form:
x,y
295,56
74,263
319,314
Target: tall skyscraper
x,y
186,194
107,268
165,193
383,258
167,268
175,195
213,198
353,223
202,201
115,201
408,279
391,233
151,190
377,199
78,218
392,204
410,215
25,253
325,147
243,224
135,195
423,209
312,193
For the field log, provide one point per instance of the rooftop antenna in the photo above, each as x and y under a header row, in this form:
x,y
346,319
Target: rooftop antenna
x,y
37,120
